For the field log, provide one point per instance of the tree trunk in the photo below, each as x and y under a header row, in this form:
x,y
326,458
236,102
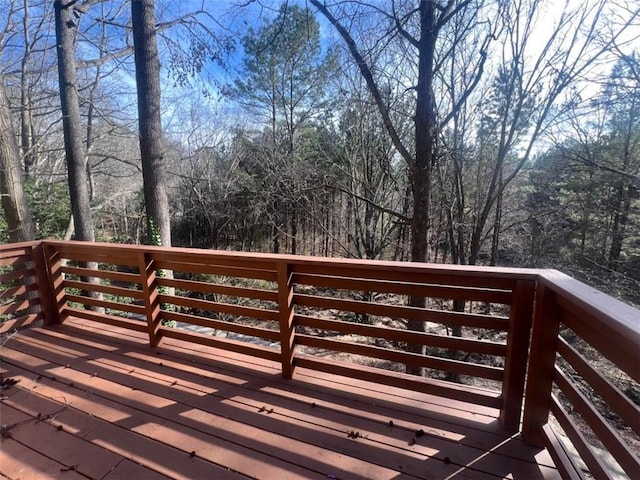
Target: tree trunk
x,y
75,153
148,88
425,140
71,124
26,122
14,200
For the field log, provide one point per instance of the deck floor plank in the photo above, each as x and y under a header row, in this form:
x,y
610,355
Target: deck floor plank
x,y
481,431
236,411
382,437
65,448
339,457
188,434
19,462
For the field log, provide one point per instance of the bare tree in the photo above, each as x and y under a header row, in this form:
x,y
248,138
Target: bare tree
x,y
419,28
66,17
14,201
148,88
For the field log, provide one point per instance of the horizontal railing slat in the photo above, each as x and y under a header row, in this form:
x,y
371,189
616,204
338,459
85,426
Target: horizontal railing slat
x,y
121,322
462,393
94,302
111,290
15,260
104,274
17,275
404,288
498,278
614,398
562,460
580,443
18,306
405,358
221,270
240,310
20,322
621,352
398,335
208,257
195,286
224,344
18,291
609,438
16,250
251,331
399,311
111,254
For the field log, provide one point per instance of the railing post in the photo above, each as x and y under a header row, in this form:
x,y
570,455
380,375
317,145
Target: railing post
x,y
286,314
544,343
515,369
51,258
45,290
151,300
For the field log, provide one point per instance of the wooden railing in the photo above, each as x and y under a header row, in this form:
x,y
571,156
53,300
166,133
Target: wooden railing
x,y
315,312
583,344
24,294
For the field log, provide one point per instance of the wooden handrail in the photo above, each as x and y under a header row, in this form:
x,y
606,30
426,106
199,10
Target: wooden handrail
x,y
291,295
596,323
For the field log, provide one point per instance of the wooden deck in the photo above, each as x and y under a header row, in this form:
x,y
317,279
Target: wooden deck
x,y
96,401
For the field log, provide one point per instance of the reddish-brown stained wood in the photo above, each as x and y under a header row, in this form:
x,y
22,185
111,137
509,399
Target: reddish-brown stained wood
x,y
20,322
606,434
405,358
127,470
252,331
399,335
520,319
95,252
542,357
580,443
17,275
405,288
193,286
203,414
222,343
18,291
111,290
105,274
597,318
562,460
88,459
492,277
16,260
16,249
240,310
397,311
396,379
58,293
590,314
613,397
124,307
21,462
218,270
47,302
149,281
107,319
18,306
286,316
212,257
624,352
